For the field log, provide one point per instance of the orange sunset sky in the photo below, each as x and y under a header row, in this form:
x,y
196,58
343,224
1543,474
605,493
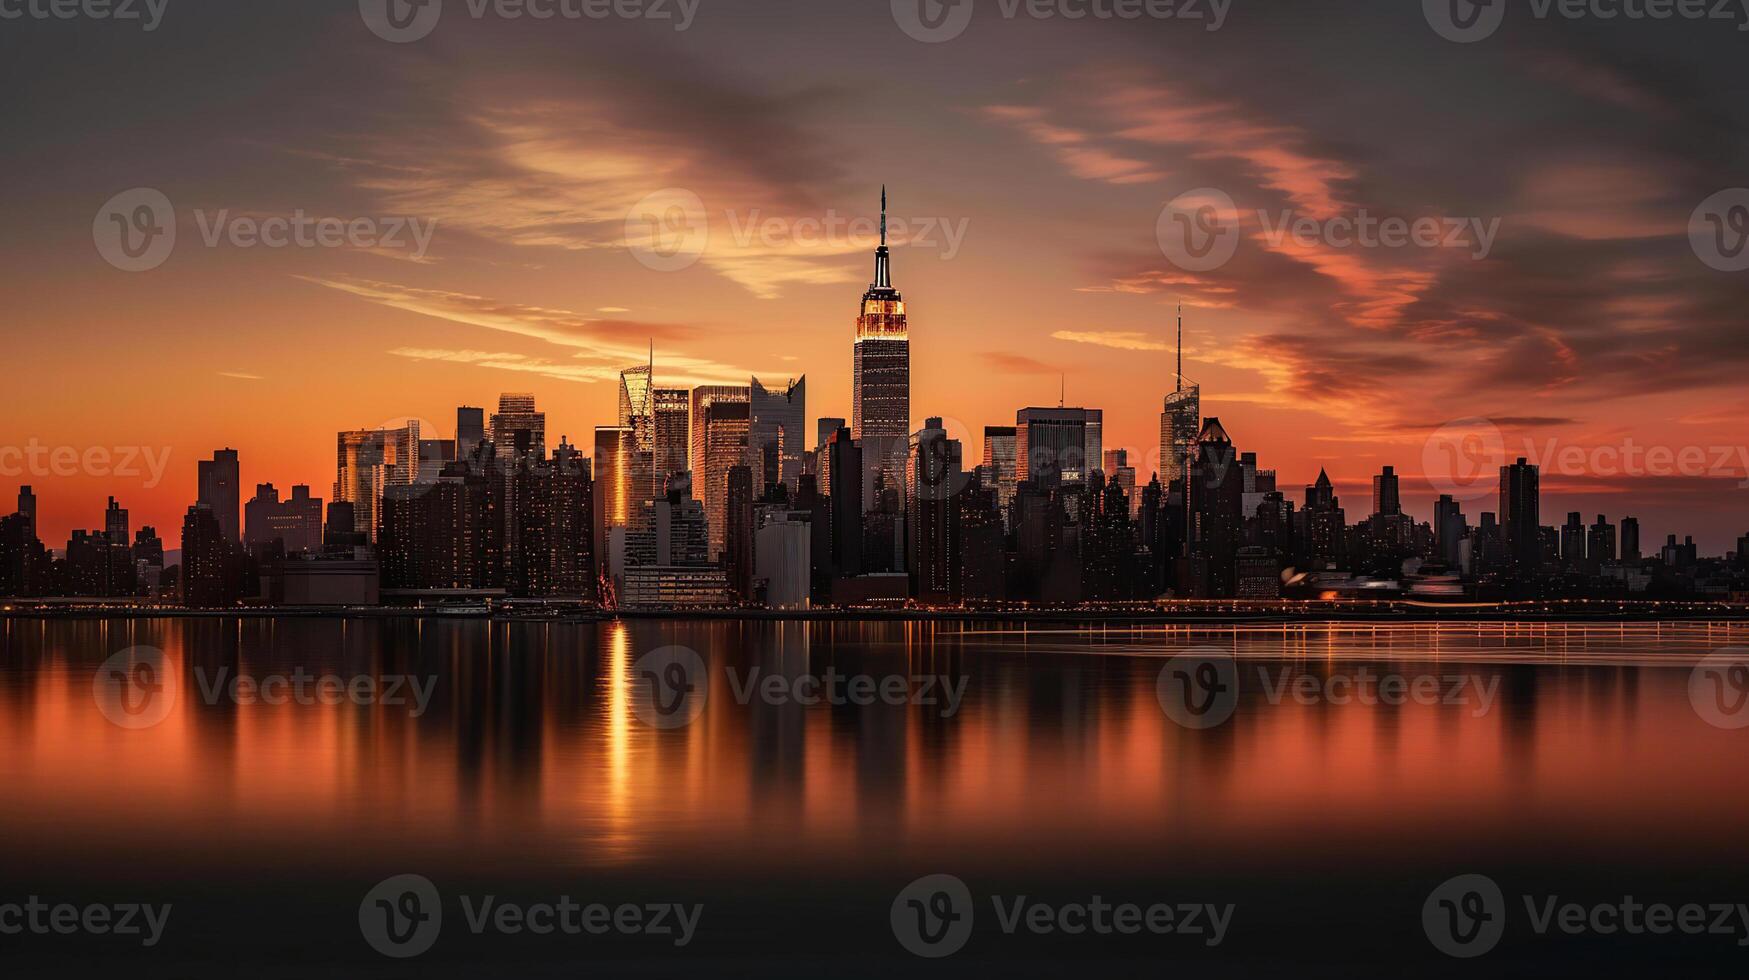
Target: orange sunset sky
x,y
1051,145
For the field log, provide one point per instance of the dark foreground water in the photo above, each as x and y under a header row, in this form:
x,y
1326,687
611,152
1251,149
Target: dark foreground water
x,y
315,797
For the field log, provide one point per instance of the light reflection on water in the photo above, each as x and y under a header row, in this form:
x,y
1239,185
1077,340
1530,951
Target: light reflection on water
x,y
531,754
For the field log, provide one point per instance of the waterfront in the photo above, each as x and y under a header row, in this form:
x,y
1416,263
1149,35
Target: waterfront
x,y
1035,761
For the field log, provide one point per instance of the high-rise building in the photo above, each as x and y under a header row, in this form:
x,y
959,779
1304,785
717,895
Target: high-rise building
x,y
880,416
1001,464
1449,529
1053,446
1600,542
783,558
621,476
554,516
115,524
845,502
721,418
1119,471
434,455
27,510
636,403
823,430
1181,421
777,436
219,490
738,533
1387,500
1521,515
210,576
518,429
1217,492
672,532
1630,539
470,430
367,461
1573,540
673,435
296,523
933,478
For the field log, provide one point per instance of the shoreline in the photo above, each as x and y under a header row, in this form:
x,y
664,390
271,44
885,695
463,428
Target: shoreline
x,y
1577,611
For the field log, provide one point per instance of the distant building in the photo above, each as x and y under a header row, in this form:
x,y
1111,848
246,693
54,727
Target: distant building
x,y
934,476
1054,446
783,551
1001,464
296,522
1520,515
211,574
880,417
777,436
518,429
367,462
470,430
721,420
220,491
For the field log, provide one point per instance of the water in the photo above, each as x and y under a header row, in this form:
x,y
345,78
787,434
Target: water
x,y
1558,760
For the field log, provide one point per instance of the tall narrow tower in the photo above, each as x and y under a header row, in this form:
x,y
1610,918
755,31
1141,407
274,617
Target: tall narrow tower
x,y
1181,420
881,373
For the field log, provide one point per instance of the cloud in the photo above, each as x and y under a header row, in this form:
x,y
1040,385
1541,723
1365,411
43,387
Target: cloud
x,y
240,375
1119,339
1019,363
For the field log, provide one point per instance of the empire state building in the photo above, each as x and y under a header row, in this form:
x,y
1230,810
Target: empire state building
x,y
881,373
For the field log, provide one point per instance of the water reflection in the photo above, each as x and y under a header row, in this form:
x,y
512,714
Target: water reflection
x,y
530,753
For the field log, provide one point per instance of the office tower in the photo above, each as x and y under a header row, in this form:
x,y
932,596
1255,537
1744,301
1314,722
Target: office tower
x,y
935,473
783,558
1600,543
98,565
434,455
518,429
673,436
1386,499
721,417
446,535
115,523
220,491
339,534
1002,465
1053,446
1449,529
1217,490
1521,516
27,510
1742,545
367,461
1119,471
845,504
1573,540
1181,420
1324,543
738,533
1630,539
148,558
553,512
209,569
296,522
636,406
470,430
823,430
777,435
983,559
881,373
673,531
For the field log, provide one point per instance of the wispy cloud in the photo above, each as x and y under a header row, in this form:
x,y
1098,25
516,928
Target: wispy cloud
x,y
1119,339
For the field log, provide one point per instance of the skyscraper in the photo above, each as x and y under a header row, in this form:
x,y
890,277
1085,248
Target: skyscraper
x,y
1001,464
1217,493
721,418
27,511
1181,420
518,429
845,536
1053,446
1630,539
368,461
932,481
1600,542
115,524
1119,471
881,373
673,435
1449,528
778,436
470,430
219,491
1386,495
1521,515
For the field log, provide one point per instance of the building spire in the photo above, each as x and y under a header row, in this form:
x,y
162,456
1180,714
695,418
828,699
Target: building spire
x,y
1180,348
883,274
